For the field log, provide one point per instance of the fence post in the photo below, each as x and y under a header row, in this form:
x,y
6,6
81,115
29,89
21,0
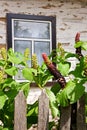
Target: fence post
x,y
65,119
81,125
20,121
43,112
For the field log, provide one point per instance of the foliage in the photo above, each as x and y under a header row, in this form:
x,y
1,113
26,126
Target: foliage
x,y
77,77
74,88
9,87
10,64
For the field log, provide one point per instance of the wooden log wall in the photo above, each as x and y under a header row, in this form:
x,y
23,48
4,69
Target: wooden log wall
x,y
71,17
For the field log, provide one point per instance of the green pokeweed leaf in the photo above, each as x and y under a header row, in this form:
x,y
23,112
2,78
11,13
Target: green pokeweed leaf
x,y
71,93
51,95
14,57
54,109
27,73
25,87
64,68
82,44
32,109
55,88
62,98
53,104
75,92
3,99
78,71
69,55
1,128
78,44
11,71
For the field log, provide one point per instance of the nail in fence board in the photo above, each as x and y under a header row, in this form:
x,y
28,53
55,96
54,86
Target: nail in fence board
x,y
43,112
20,121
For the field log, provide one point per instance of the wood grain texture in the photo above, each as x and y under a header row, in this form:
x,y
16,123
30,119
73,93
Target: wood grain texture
x,y
20,120
43,116
81,125
65,120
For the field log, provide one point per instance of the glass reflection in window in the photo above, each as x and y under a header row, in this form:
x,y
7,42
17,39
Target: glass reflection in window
x,y
41,47
31,29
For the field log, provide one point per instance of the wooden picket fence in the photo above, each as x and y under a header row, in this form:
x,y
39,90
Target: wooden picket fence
x,y
71,118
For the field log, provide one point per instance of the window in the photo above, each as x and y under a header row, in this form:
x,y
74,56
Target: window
x,y
38,33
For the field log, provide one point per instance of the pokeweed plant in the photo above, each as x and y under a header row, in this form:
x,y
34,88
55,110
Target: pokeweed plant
x,y
9,87
40,78
62,93
69,90
10,64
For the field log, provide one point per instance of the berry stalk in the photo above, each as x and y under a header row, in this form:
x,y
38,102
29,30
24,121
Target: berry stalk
x,y
78,50
53,70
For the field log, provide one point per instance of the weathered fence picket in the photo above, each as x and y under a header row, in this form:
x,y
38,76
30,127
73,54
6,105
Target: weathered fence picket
x,y
20,121
65,118
43,113
81,125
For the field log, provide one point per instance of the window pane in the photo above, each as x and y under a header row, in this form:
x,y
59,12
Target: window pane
x,y
20,46
38,33
31,29
41,47
19,75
